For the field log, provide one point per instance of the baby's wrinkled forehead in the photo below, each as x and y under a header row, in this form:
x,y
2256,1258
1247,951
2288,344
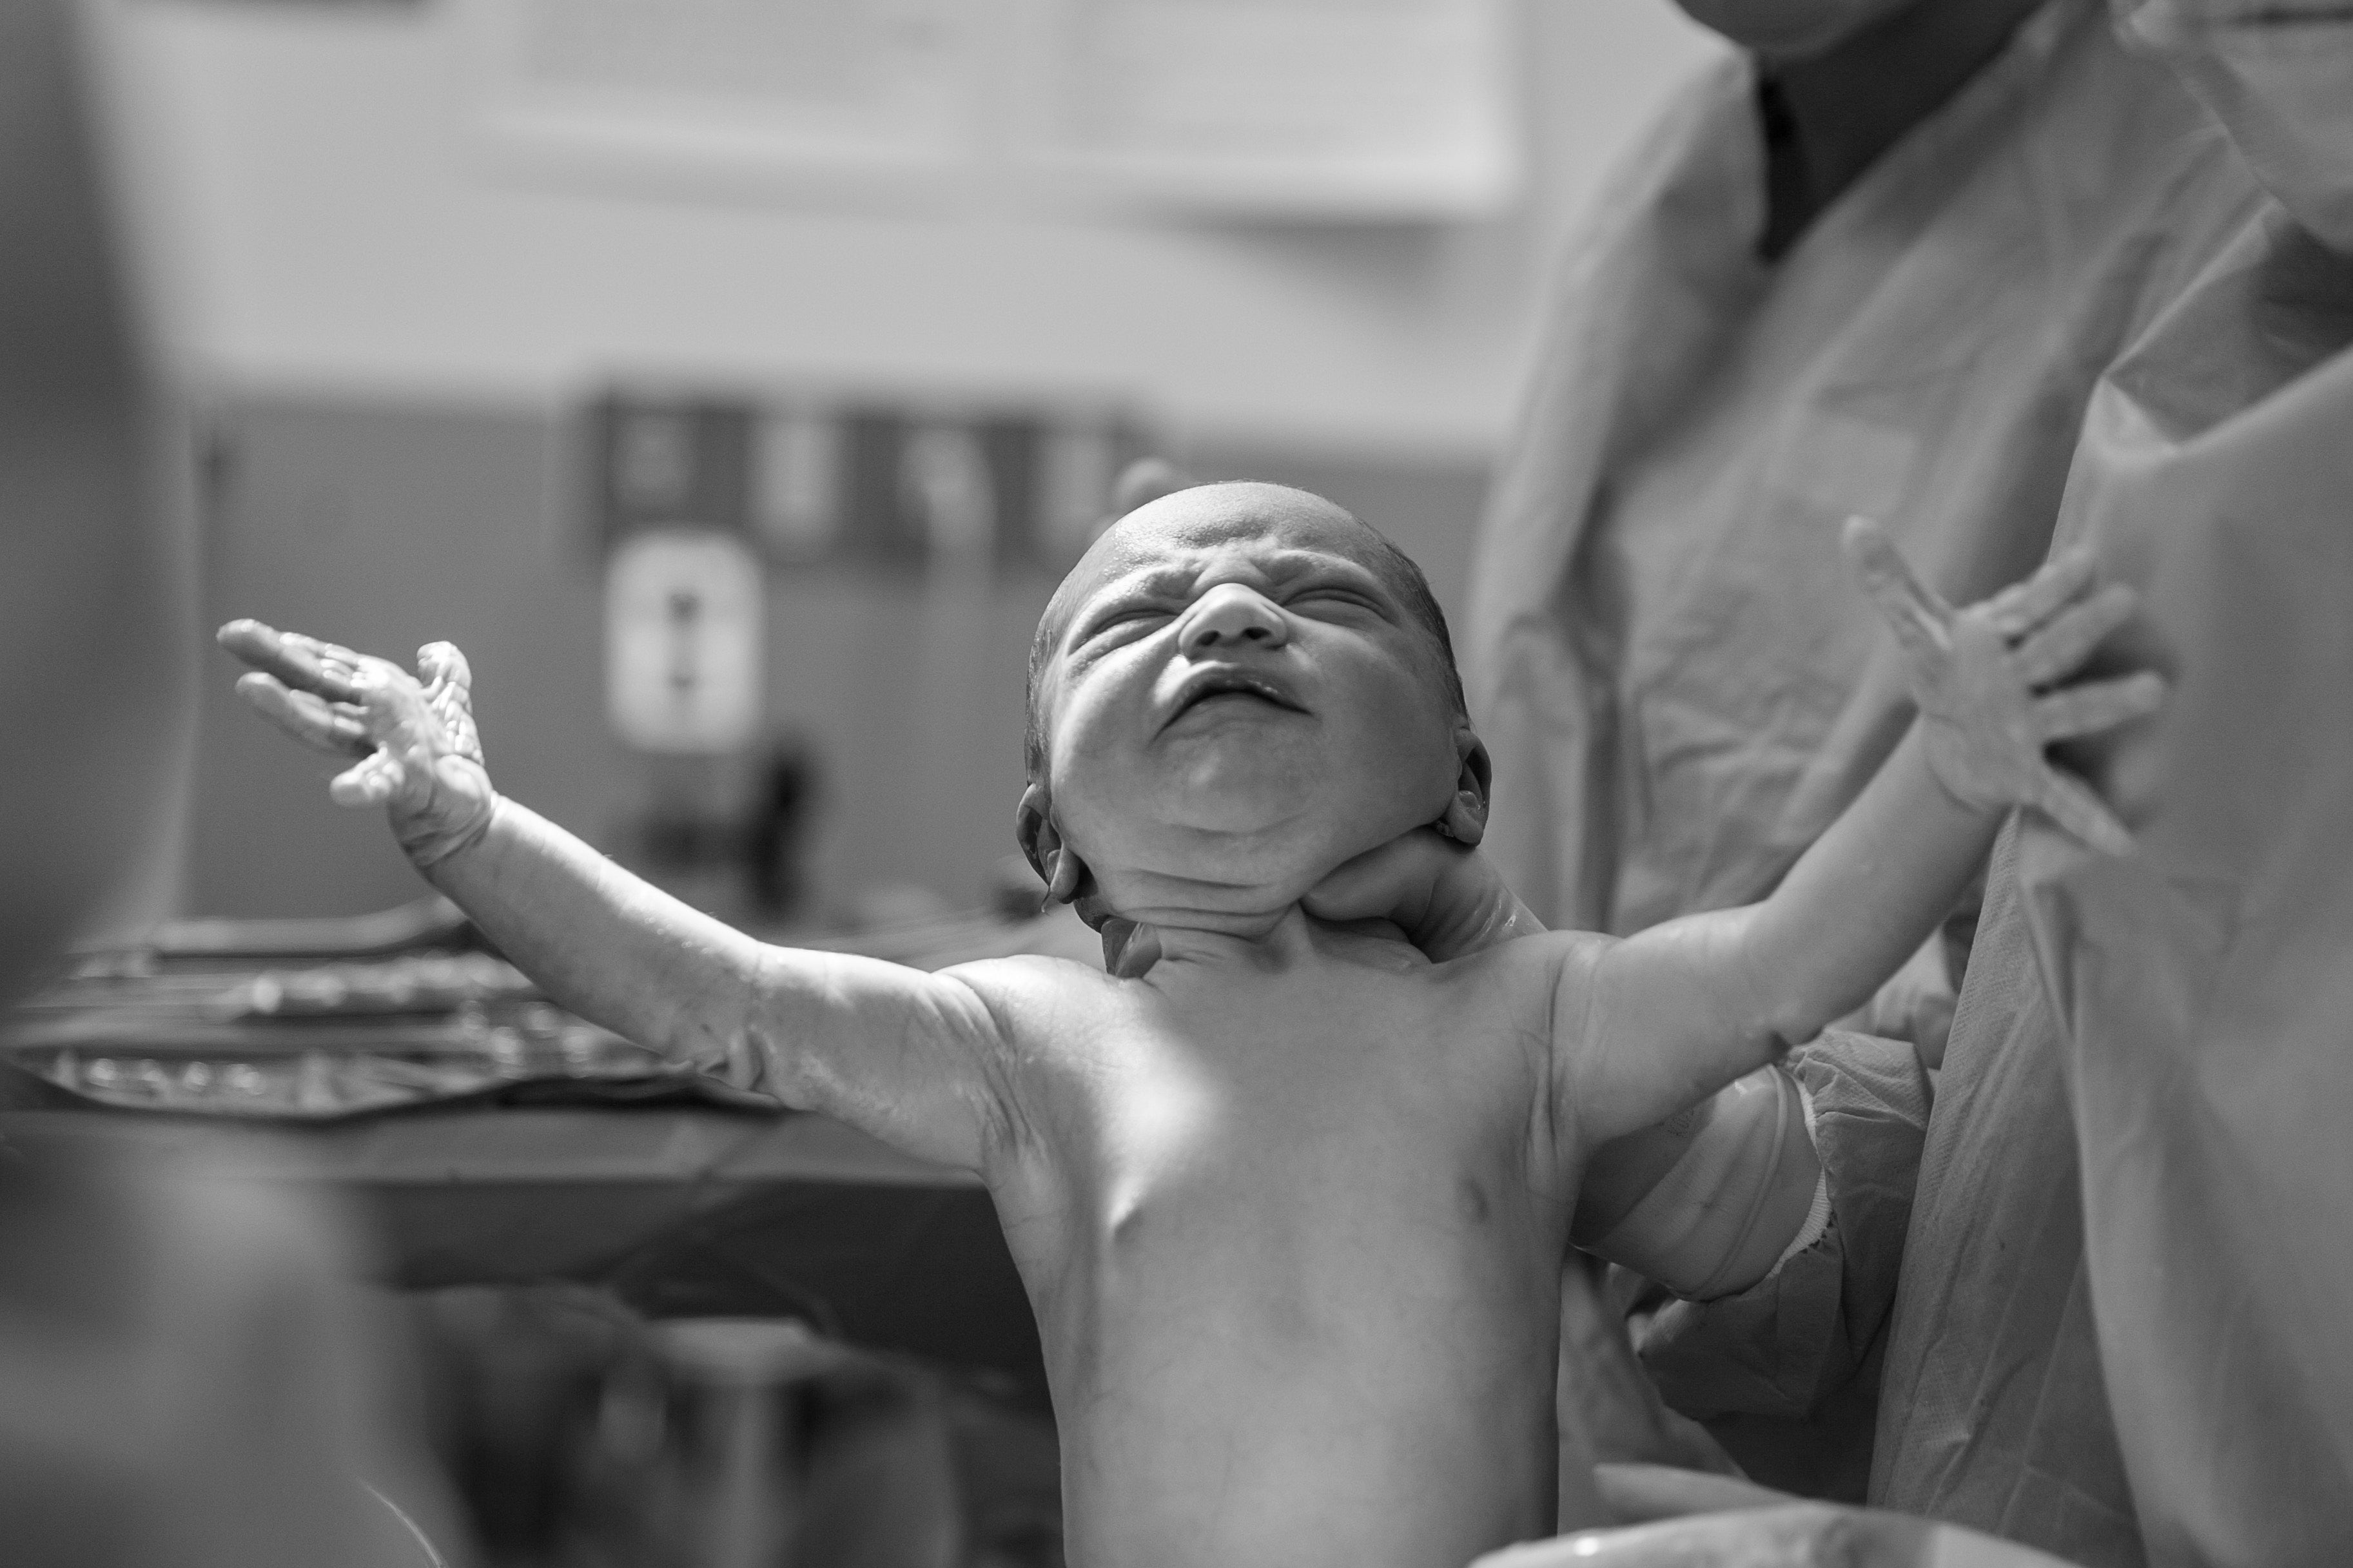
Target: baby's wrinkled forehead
x,y
1193,523
1194,528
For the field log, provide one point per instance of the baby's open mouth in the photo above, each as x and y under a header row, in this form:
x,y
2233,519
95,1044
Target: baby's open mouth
x,y
1228,685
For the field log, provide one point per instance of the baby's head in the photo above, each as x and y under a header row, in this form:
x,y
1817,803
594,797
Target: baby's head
x,y
1239,687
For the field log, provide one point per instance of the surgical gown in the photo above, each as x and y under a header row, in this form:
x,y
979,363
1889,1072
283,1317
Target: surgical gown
x,y
2201,989
1682,687
2184,1009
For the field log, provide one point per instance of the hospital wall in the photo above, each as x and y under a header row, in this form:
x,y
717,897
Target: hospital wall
x,y
390,340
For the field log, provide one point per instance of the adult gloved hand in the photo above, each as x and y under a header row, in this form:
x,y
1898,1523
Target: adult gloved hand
x,y
1987,680
417,753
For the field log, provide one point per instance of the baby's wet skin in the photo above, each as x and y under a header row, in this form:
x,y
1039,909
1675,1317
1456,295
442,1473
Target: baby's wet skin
x,y
1292,1211
1291,1201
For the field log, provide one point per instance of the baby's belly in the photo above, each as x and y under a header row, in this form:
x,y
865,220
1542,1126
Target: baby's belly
x,y
1320,1408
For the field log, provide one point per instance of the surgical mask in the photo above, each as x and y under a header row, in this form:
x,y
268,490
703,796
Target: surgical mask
x,y
2276,76
1786,30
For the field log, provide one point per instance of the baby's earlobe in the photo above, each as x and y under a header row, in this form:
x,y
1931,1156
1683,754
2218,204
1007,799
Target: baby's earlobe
x,y
1062,882
1033,829
1064,874
1465,821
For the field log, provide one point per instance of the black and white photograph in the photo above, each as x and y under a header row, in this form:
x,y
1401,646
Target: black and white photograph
x,y
1175,783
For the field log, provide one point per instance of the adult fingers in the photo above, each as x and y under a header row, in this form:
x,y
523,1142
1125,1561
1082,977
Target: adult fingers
x,y
2070,803
2022,606
1391,881
2097,705
1911,608
308,717
2061,643
1130,948
302,662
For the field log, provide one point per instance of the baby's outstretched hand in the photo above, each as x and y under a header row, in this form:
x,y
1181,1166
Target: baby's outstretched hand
x,y
418,754
1990,680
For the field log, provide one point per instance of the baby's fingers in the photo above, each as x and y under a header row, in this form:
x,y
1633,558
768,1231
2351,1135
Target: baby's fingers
x,y
373,781
2062,643
2096,705
2022,606
2070,803
1910,607
308,717
449,691
303,663
441,665
1130,948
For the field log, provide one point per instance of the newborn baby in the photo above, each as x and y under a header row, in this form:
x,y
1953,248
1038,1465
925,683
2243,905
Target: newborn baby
x,y
1290,1199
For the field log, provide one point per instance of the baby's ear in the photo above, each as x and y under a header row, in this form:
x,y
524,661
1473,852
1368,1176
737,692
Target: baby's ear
x,y
1465,818
1057,865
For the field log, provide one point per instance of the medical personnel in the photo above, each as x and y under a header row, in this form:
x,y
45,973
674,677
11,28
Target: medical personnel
x,y
1875,262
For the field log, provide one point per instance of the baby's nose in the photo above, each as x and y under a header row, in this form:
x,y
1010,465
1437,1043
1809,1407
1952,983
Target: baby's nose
x,y
1229,617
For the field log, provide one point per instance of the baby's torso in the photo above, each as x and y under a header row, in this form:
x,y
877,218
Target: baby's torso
x,y
1293,1240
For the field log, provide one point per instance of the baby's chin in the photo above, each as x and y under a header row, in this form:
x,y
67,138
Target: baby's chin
x,y
1240,776
1230,834
1242,870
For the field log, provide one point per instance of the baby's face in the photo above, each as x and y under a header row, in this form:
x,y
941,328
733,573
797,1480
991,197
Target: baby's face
x,y
1236,701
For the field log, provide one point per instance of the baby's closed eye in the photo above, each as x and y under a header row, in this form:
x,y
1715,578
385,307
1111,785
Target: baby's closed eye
x,y
1332,604
1127,621
1346,596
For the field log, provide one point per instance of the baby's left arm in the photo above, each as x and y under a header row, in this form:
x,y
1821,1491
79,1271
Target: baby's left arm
x,y
1646,1026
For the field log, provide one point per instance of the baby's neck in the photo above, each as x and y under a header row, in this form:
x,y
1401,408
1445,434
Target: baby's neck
x,y
1206,907
1289,938
1224,892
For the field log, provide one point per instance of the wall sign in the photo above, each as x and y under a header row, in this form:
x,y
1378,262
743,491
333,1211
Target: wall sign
x,y
684,641
803,478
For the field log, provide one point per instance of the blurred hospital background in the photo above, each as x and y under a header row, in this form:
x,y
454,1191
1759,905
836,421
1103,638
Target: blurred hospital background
x,y
785,352
732,380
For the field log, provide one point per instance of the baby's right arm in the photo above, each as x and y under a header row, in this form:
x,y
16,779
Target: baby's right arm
x,y
911,1057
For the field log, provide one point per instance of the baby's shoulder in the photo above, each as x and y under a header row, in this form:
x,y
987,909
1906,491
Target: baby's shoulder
x,y
1026,993
1531,984
1548,960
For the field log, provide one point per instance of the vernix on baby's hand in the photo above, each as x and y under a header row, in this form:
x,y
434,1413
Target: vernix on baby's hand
x,y
1992,681
418,754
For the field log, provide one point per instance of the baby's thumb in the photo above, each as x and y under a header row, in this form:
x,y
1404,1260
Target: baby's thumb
x,y
374,780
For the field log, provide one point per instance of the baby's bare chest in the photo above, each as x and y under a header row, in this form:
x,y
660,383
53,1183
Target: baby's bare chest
x,y
1229,1111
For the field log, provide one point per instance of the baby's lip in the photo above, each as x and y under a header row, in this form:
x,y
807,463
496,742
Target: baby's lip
x,y
1216,680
